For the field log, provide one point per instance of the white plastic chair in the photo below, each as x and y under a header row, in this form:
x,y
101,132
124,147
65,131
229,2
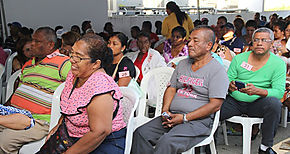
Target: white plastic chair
x,y
34,147
7,74
161,76
137,73
1,75
176,60
210,139
247,123
158,78
131,99
8,51
10,84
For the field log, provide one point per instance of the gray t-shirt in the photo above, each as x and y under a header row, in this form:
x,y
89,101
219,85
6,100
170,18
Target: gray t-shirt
x,y
195,88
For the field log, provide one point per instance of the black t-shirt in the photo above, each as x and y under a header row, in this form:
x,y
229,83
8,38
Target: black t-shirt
x,y
126,66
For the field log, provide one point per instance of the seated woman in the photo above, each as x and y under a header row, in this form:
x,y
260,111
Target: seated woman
x,y
122,69
23,48
90,106
175,46
135,30
68,39
145,58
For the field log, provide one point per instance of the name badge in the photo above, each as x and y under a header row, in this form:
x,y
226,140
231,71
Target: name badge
x,y
237,50
246,66
124,74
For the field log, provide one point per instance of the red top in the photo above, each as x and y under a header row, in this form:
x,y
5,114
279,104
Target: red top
x,y
139,63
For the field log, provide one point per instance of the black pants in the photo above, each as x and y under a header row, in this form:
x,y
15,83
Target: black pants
x,y
268,108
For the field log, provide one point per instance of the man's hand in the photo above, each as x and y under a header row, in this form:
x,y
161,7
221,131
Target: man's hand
x,y
232,86
175,120
250,89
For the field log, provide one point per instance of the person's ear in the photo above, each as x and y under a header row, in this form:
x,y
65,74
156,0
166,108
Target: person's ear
x,y
97,64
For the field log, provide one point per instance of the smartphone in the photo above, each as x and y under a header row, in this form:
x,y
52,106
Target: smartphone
x,y
240,84
166,115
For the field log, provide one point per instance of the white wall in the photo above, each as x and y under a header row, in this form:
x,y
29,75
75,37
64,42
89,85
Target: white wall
x,y
251,5
36,13
123,23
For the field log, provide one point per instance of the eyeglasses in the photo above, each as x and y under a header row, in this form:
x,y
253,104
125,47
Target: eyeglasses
x,y
256,40
77,59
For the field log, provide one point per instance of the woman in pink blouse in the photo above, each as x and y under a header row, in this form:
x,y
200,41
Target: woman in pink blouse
x,y
90,100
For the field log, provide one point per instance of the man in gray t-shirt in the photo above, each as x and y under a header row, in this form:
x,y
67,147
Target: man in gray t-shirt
x,y
197,89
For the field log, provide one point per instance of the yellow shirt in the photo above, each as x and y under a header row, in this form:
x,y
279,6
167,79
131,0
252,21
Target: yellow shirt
x,y
171,22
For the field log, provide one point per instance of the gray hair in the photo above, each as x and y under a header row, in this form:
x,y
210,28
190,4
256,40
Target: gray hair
x,y
266,30
210,35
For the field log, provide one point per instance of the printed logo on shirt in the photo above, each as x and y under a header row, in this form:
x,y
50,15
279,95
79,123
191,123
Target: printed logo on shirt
x,y
246,66
191,81
188,83
124,74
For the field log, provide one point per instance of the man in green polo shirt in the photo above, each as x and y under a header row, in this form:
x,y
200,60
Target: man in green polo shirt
x,y
40,76
257,84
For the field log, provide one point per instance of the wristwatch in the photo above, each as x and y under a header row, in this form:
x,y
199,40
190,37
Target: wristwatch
x,y
184,119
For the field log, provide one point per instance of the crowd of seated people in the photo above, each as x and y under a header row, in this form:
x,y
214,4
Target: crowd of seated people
x,y
93,66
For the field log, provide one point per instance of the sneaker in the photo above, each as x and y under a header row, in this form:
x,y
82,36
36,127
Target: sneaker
x,y
268,151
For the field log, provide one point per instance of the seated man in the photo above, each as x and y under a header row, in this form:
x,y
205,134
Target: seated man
x,y
197,89
230,39
264,75
39,79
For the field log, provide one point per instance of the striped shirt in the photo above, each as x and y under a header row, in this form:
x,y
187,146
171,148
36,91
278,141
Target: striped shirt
x,y
39,81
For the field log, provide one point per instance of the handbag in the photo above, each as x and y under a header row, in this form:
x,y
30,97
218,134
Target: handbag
x,y
59,142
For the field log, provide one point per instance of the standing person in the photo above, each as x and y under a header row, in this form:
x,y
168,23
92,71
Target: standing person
x,y
264,75
175,18
40,76
122,68
194,94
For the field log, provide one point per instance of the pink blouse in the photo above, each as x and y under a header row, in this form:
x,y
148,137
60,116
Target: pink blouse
x,y
74,107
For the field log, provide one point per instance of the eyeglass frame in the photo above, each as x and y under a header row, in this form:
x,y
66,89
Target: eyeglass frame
x,y
263,40
79,58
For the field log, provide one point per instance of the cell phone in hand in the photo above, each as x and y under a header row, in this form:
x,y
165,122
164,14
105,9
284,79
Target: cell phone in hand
x,y
240,84
166,115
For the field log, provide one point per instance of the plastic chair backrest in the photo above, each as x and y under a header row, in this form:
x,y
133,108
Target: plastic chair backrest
x,y
161,77
176,60
131,98
1,75
137,73
55,108
8,65
10,84
8,51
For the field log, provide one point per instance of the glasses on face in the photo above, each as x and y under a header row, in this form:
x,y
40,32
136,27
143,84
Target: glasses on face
x,y
256,40
77,59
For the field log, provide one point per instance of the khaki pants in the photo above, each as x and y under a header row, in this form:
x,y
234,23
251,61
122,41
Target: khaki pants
x,y
12,140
